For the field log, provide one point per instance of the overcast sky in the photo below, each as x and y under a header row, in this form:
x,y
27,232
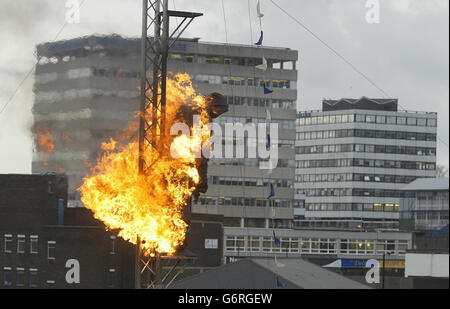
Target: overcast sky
x,y
406,53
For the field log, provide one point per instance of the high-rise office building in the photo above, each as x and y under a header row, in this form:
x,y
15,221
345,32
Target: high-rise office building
x,y
87,90
354,157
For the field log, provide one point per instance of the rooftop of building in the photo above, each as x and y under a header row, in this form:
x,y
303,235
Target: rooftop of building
x,y
115,41
269,274
428,184
363,103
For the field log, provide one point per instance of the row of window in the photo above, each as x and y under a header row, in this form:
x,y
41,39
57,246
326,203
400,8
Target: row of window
x,y
245,81
261,102
23,278
281,163
343,223
77,73
214,59
389,149
431,196
115,72
314,245
252,142
30,278
338,177
365,118
351,192
282,124
243,201
249,182
425,215
331,134
257,223
370,207
20,244
411,165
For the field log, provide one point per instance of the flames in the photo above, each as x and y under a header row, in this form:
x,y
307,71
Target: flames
x,y
45,140
149,206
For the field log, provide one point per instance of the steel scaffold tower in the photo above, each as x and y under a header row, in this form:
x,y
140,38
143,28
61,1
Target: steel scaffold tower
x,y
152,124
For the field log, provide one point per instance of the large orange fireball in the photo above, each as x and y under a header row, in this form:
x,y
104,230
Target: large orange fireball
x,y
149,206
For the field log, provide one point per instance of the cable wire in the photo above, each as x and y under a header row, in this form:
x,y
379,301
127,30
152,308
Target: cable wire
x,y
385,93
34,66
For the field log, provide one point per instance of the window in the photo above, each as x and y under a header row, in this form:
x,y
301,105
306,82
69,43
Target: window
x,y
378,207
33,278
20,243
370,118
431,123
113,244
401,120
255,245
391,120
50,284
51,250
381,119
380,148
111,278
412,121
20,277
7,243
34,244
7,276
422,122
234,243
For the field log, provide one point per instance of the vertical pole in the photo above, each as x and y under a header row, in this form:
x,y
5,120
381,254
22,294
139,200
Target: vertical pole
x,y
144,87
156,61
164,55
142,124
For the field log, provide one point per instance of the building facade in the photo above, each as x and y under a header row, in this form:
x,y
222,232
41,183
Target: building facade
x,y
46,244
353,159
425,205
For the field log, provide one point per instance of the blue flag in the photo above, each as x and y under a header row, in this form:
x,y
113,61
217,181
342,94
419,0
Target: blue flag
x,y
260,41
268,142
267,90
272,191
281,284
276,240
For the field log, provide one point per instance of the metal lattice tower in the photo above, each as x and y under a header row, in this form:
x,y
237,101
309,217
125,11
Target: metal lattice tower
x,y
155,45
